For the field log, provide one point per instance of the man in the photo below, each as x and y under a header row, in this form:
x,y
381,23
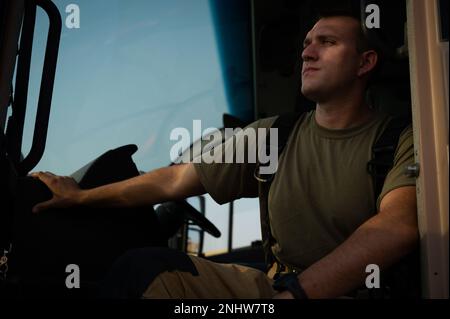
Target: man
x,y
321,202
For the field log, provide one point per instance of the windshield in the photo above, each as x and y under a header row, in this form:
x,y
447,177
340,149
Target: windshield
x,y
130,73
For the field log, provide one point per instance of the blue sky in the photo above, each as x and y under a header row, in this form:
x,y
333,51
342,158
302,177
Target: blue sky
x,y
132,72
141,67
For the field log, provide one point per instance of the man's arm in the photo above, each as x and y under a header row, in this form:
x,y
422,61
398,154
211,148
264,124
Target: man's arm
x,y
168,183
382,240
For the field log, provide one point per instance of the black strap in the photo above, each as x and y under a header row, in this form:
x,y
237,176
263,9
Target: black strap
x,y
284,123
290,283
383,152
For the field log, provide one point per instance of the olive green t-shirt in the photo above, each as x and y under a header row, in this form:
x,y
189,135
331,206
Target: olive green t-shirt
x,y
321,192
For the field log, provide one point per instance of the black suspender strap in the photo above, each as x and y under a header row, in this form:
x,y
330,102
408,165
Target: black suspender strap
x,y
284,123
383,152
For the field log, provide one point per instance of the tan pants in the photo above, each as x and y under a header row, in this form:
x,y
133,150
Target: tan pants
x,y
214,281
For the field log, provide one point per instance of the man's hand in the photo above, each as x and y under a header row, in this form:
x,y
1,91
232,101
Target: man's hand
x,y
66,192
165,184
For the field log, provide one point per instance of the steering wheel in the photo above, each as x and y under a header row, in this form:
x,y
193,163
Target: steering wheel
x,y
172,215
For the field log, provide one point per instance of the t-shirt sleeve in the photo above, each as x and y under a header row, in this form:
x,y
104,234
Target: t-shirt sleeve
x,y
224,180
404,156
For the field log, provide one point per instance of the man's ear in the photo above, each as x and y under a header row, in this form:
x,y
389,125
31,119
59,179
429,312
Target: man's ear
x,y
368,62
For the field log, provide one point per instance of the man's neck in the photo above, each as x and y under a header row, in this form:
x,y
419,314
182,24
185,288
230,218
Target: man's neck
x,y
343,114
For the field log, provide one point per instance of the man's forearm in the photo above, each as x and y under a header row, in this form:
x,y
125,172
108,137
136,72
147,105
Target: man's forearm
x,y
168,183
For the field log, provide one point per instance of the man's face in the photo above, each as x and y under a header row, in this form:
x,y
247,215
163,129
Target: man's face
x,y
330,58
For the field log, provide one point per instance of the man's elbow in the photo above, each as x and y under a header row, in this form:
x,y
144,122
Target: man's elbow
x,y
404,241
398,212
184,182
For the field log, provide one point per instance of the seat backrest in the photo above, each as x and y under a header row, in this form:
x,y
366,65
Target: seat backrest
x,y
390,92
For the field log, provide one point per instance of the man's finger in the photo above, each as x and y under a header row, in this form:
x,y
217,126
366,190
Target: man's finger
x,y
34,174
43,176
42,206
